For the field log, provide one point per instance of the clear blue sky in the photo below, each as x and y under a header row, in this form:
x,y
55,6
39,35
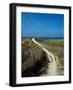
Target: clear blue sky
x,y
42,25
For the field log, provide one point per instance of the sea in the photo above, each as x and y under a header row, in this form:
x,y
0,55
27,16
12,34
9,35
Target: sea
x,y
44,38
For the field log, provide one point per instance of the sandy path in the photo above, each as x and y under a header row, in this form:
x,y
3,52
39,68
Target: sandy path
x,y
52,66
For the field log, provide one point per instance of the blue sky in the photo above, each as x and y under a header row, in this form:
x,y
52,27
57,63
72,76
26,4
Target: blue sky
x,y
42,25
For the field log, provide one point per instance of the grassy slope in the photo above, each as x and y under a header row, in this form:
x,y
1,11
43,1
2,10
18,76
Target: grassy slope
x,y
52,45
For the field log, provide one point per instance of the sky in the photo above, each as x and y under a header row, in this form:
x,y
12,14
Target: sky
x,y
42,25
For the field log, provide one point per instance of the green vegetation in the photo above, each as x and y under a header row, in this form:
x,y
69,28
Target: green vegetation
x,y
32,50
57,43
